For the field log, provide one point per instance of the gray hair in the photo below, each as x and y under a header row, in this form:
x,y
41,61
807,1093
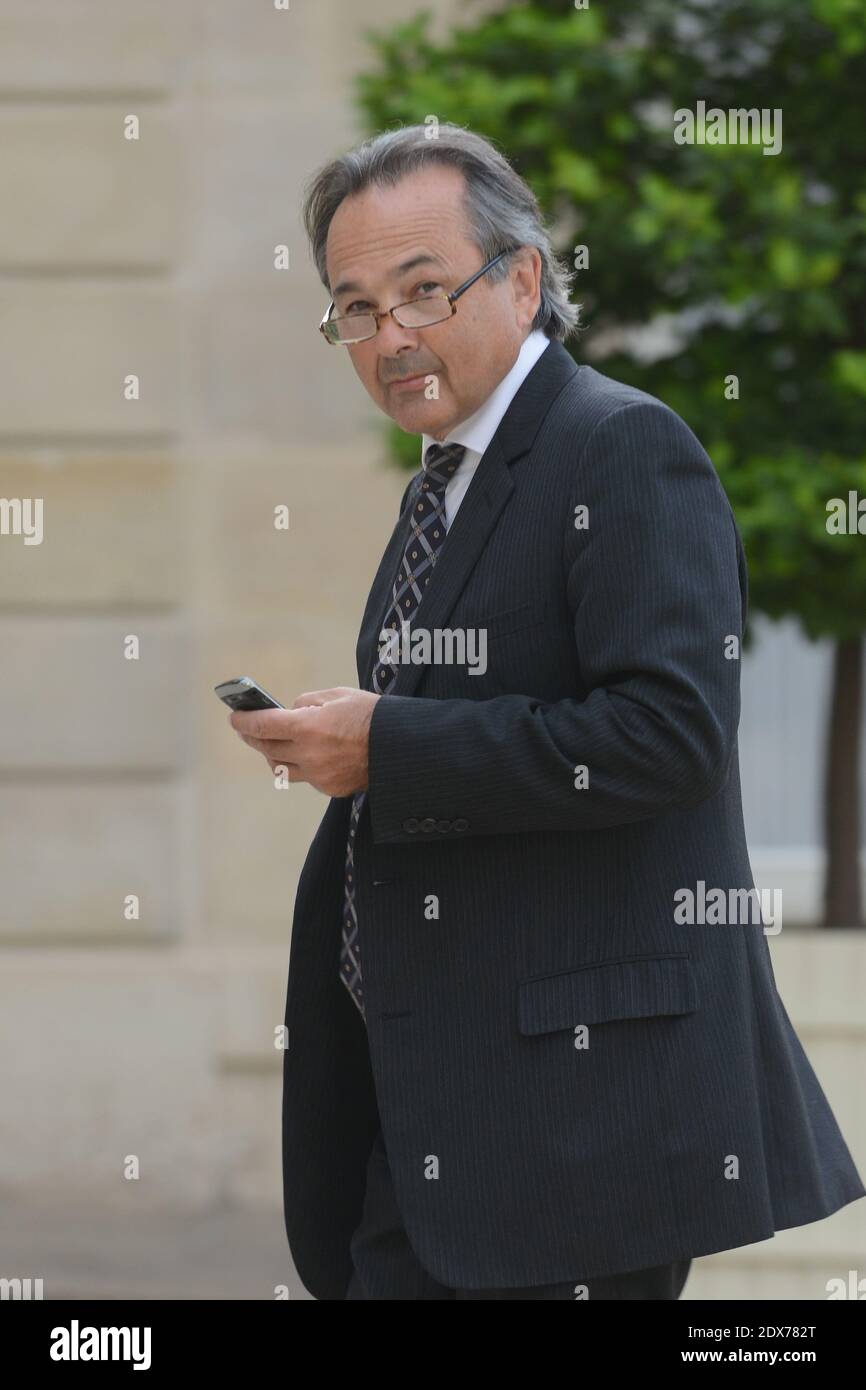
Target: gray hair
x,y
501,209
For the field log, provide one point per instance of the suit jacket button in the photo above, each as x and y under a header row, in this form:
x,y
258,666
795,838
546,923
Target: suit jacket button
x,y
443,825
428,823
461,824
411,825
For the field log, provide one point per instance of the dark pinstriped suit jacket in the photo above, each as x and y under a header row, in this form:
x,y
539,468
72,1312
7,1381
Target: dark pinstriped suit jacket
x,y
693,1121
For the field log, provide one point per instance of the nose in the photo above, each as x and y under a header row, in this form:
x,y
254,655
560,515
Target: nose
x,y
393,339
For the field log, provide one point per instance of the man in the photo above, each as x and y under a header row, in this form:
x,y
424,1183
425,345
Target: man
x,y
513,1069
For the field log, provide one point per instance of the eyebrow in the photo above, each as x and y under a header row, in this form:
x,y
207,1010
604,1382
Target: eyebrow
x,y
352,286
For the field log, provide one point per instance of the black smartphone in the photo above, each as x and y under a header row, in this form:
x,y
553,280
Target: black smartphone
x,y
245,693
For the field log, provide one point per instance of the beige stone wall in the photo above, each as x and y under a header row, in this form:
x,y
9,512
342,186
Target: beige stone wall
x,y
154,1037
155,257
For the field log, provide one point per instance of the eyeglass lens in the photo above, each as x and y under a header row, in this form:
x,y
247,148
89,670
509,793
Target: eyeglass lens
x,y
418,313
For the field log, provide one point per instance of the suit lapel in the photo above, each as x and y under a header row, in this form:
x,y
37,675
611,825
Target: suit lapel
x,y
488,492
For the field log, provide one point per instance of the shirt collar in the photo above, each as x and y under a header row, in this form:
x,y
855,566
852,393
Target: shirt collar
x,y
476,432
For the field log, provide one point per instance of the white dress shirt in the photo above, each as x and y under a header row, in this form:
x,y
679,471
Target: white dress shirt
x,y
476,432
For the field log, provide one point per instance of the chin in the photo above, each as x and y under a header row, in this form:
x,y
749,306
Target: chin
x,y
417,420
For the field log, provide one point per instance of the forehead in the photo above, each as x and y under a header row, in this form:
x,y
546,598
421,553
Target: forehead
x,y
375,232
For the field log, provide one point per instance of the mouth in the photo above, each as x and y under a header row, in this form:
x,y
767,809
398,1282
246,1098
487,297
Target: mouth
x,y
409,383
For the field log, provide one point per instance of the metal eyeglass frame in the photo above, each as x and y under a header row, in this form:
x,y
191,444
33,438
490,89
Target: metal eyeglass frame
x,y
449,299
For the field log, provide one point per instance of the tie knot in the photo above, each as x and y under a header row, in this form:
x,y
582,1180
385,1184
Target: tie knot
x,y
441,461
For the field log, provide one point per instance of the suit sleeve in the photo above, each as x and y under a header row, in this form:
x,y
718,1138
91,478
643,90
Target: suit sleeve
x,y
653,589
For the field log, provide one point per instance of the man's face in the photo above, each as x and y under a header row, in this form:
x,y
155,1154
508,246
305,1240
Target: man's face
x,y
373,237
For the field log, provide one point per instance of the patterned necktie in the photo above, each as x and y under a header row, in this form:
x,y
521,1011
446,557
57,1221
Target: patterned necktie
x,y
429,526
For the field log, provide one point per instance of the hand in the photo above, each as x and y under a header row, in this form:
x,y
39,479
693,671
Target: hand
x,y
323,739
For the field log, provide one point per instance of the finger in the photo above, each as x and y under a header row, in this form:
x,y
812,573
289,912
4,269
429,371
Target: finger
x,y
274,752
322,697
311,697
263,723
268,746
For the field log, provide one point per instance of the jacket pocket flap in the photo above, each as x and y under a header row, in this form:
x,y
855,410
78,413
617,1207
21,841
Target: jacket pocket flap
x,y
502,624
635,988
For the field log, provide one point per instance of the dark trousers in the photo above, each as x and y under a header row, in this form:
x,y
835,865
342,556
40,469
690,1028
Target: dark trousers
x,y
385,1265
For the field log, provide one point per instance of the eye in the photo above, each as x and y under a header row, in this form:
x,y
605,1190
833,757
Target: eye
x,y
362,306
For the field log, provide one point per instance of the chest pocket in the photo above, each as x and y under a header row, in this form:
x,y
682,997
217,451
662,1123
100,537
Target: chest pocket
x,y
640,987
529,614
